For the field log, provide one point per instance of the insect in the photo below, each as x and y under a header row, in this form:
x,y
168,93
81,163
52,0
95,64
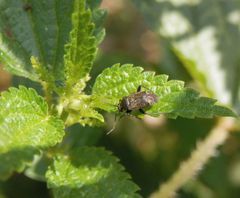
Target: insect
x,y
135,101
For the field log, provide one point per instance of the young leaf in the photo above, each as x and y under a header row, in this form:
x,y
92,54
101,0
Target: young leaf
x,y
82,47
86,34
25,127
89,172
98,17
79,109
173,99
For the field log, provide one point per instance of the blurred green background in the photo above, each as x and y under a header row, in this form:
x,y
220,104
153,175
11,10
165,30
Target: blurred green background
x,y
152,149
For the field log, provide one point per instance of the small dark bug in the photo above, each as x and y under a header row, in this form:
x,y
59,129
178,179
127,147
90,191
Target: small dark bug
x,y
135,101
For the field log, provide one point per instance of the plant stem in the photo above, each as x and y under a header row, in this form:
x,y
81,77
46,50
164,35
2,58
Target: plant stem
x,y
199,157
47,92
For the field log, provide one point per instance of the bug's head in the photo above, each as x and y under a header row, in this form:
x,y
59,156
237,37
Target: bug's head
x,y
123,105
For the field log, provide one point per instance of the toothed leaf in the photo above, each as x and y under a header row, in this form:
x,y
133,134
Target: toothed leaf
x,y
173,98
41,29
25,127
34,28
204,35
89,172
82,47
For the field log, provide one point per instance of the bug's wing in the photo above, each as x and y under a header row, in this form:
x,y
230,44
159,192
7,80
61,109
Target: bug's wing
x,y
136,101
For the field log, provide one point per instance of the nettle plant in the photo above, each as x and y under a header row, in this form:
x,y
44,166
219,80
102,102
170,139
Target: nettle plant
x,y
54,43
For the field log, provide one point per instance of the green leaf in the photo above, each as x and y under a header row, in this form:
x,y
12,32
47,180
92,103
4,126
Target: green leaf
x,y
34,28
25,127
82,47
98,18
205,37
42,72
173,99
187,103
41,29
89,172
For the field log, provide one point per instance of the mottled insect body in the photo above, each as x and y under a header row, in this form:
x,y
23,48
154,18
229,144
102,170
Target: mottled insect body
x,y
137,101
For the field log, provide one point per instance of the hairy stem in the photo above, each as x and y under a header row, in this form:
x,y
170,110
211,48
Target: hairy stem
x,y
47,92
199,157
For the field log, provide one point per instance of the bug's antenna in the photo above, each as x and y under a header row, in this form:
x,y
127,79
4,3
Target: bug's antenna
x,y
113,128
115,124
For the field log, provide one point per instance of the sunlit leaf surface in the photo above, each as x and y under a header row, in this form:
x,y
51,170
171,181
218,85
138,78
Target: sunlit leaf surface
x,y
25,127
173,98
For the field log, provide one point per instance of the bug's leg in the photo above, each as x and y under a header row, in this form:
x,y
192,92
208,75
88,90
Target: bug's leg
x,y
112,129
139,88
134,116
128,112
115,123
142,111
